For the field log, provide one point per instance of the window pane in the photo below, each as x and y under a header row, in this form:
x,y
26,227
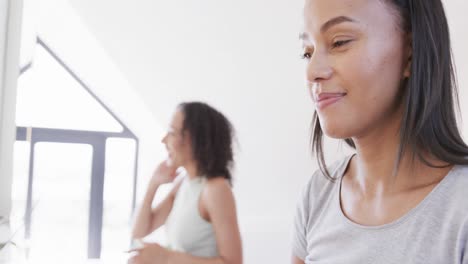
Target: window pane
x,y
19,191
48,96
62,176
19,194
118,189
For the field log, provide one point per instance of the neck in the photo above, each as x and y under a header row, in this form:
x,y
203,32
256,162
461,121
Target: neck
x,y
191,169
374,173
374,169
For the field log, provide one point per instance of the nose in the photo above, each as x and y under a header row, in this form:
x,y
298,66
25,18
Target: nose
x,y
164,139
318,69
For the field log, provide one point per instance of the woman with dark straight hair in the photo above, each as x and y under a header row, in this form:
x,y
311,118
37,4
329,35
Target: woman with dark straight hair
x,y
381,75
199,213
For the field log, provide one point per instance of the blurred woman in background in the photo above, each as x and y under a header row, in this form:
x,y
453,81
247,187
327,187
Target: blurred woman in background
x,y
199,213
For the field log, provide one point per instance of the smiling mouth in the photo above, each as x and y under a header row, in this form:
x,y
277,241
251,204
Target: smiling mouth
x,y
327,99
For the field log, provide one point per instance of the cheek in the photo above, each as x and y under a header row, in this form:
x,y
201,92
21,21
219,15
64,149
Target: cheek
x,y
373,73
176,144
172,144
372,80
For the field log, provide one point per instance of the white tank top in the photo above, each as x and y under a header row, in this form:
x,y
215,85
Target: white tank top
x,y
186,230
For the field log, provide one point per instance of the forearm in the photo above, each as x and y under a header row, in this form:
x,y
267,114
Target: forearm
x,y
183,258
144,219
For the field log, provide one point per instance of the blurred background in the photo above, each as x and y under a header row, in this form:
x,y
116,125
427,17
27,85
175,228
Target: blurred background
x,y
88,88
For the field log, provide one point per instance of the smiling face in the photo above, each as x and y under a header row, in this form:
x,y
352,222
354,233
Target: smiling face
x,y
357,56
177,142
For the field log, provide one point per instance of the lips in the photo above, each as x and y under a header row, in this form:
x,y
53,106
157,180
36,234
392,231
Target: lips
x,y
325,99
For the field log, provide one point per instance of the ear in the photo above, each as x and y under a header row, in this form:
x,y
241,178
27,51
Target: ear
x,y
408,59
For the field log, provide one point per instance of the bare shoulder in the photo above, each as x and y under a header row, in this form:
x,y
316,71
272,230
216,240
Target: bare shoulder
x,y
217,192
217,200
218,182
217,187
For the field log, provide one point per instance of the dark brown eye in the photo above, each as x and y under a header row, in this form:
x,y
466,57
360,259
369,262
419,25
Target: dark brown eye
x,y
340,43
306,55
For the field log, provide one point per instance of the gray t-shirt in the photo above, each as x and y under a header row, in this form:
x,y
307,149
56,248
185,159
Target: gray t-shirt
x,y
435,231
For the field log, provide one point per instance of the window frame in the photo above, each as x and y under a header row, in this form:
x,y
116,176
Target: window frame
x,y
97,140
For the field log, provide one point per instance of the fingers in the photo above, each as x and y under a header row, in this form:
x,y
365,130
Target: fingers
x,y
137,244
135,259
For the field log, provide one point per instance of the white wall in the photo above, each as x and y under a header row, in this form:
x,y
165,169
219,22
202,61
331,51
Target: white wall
x,y
242,57
58,25
456,10
10,28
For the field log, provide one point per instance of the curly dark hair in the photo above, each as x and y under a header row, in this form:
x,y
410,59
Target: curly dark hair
x,y
211,136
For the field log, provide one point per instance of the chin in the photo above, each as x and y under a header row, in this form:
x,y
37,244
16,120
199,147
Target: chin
x,y
339,125
173,161
336,132
170,162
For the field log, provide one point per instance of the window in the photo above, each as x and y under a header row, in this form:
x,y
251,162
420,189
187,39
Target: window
x,y
75,164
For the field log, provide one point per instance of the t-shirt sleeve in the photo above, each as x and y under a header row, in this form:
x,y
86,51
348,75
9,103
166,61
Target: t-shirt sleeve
x,y
464,259
464,252
300,226
463,246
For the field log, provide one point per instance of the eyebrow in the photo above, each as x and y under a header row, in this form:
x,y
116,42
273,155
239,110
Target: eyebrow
x,y
335,21
330,23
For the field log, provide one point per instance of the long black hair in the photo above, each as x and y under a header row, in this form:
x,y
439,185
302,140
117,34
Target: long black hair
x,y
430,94
211,136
